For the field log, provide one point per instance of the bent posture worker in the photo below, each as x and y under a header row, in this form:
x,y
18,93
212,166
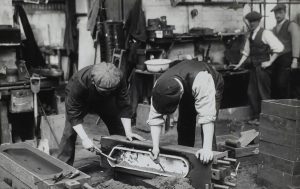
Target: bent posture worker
x,y
99,89
197,89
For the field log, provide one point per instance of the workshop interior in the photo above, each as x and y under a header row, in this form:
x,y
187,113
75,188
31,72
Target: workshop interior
x,y
149,94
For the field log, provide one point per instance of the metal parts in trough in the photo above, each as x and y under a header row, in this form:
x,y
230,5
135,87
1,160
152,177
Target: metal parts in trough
x,y
139,160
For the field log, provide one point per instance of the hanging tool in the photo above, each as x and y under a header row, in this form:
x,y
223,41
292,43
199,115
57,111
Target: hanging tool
x,y
35,84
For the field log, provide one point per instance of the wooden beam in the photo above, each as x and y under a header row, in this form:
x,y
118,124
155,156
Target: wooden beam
x,y
4,124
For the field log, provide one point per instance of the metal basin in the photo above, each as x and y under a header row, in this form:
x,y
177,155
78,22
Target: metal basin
x,y
32,162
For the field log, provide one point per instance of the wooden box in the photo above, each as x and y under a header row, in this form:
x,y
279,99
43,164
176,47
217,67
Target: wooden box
x,y
276,179
280,164
285,108
285,152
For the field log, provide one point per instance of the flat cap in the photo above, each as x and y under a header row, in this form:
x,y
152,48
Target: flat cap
x,y
279,7
166,95
106,75
253,16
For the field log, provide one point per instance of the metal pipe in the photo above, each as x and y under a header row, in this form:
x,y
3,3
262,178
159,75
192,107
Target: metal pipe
x,y
220,186
223,162
229,159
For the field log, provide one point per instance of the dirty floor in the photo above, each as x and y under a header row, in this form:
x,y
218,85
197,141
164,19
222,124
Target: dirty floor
x,y
105,178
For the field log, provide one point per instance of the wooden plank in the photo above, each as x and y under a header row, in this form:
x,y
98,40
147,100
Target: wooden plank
x,y
285,108
278,137
197,169
247,137
249,150
284,152
5,126
276,177
3,185
11,180
280,124
284,165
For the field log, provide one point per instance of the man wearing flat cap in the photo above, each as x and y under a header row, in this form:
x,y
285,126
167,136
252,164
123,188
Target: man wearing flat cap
x,y
197,89
288,33
262,48
99,89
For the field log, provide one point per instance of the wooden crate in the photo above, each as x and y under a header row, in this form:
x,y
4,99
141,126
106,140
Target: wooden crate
x,y
284,165
285,108
284,152
277,137
273,178
280,124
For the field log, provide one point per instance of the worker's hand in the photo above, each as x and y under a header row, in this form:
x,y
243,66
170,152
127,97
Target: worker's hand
x,y
266,64
154,153
236,67
204,155
294,63
130,136
87,144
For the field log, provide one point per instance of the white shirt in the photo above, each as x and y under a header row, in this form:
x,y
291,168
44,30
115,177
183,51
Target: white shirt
x,y
204,92
268,38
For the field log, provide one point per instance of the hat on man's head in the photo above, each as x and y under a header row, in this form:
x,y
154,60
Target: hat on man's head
x,y
253,16
166,95
279,7
106,75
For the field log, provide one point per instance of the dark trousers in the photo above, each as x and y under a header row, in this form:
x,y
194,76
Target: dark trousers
x,y
186,125
281,73
259,88
295,83
66,152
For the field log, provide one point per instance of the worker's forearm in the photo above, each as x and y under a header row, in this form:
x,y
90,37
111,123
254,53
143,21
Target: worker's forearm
x,y
208,132
242,60
127,125
155,134
80,131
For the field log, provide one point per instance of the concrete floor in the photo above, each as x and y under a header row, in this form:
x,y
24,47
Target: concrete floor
x,y
89,162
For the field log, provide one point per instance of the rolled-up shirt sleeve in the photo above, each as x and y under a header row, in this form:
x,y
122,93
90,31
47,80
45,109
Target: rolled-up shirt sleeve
x,y
155,118
204,93
123,101
246,49
295,34
270,39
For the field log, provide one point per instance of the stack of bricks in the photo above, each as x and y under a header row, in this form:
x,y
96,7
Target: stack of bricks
x,y
280,144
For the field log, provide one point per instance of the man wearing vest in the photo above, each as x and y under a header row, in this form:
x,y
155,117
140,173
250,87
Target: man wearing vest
x,y
288,33
262,48
99,89
197,89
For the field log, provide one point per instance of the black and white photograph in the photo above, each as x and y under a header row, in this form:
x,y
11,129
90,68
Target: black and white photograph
x,y
149,94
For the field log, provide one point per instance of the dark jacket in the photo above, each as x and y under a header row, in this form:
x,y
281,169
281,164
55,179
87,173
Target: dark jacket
x,y
82,97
